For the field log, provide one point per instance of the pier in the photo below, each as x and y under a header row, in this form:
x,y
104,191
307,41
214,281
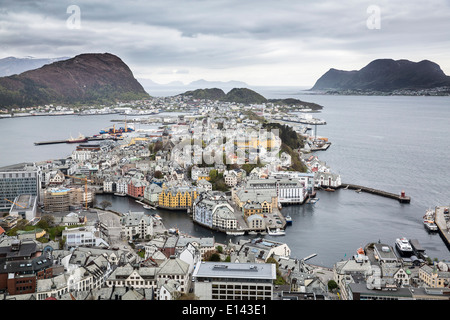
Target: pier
x,y
74,142
442,215
400,197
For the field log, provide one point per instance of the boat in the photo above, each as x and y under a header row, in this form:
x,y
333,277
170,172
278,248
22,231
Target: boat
x,y
80,138
428,220
288,220
358,191
404,247
157,217
312,200
430,225
277,232
330,189
120,194
235,233
146,206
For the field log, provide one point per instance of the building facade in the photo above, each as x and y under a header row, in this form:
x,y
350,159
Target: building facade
x,y
233,281
23,178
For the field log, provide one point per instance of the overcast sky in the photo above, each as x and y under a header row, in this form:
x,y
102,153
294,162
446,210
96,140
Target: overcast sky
x,y
264,42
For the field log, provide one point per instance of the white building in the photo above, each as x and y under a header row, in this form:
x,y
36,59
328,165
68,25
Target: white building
x,y
288,190
328,179
88,236
25,206
233,281
214,211
137,224
152,192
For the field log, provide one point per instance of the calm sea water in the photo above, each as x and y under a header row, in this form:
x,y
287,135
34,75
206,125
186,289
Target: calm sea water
x,y
389,143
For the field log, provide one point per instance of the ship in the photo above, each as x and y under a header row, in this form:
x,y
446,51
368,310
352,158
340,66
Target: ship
x,y
113,130
80,138
277,232
404,247
428,221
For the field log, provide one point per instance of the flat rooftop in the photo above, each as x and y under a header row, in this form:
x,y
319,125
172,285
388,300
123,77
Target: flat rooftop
x,y
259,271
23,202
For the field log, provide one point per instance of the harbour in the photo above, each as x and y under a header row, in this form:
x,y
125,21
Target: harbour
x,y
364,152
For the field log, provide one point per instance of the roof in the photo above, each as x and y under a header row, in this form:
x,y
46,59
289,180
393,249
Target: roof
x,y
255,271
174,266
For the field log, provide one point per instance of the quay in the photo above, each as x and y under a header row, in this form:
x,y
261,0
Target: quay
x,y
400,197
442,218
68,141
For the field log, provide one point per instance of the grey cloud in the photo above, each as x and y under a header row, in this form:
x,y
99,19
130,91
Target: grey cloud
x,y
220,34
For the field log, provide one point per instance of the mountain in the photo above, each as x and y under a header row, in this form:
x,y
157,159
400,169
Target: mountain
x,y
13,65
385,75
86,78
247,96
207,94
243,95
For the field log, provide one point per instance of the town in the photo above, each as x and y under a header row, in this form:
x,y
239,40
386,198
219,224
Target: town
x,y
232,167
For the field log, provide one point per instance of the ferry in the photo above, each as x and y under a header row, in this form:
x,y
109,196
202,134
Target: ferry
x,y
277,232
404,247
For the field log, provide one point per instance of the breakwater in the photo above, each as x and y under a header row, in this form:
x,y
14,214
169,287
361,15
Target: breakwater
x,y
400,197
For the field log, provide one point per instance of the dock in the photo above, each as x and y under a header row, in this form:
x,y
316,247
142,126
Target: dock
x,y
68,141
400,197
442,217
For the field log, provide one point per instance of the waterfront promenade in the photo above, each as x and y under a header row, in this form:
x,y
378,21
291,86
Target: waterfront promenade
x,y
441,219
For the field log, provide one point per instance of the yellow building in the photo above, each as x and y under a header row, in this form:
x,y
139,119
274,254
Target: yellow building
x,y
433,277
203,177
177,198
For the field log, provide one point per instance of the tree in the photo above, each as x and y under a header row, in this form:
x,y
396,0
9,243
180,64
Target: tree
x,y
158,174
105,204
215,257
332,285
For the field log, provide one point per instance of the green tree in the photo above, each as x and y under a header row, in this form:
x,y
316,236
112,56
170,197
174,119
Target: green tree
x,y
332,285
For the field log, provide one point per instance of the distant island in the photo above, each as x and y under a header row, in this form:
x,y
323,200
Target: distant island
x,y
246,96
387,76
86,78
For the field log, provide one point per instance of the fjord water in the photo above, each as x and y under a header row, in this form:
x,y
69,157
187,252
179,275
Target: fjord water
x,y
388,143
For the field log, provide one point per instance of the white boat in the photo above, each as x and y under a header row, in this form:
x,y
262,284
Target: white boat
x,y
277,232
235,233
157,217
146,206
403,246
428,220
430,225
120,194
